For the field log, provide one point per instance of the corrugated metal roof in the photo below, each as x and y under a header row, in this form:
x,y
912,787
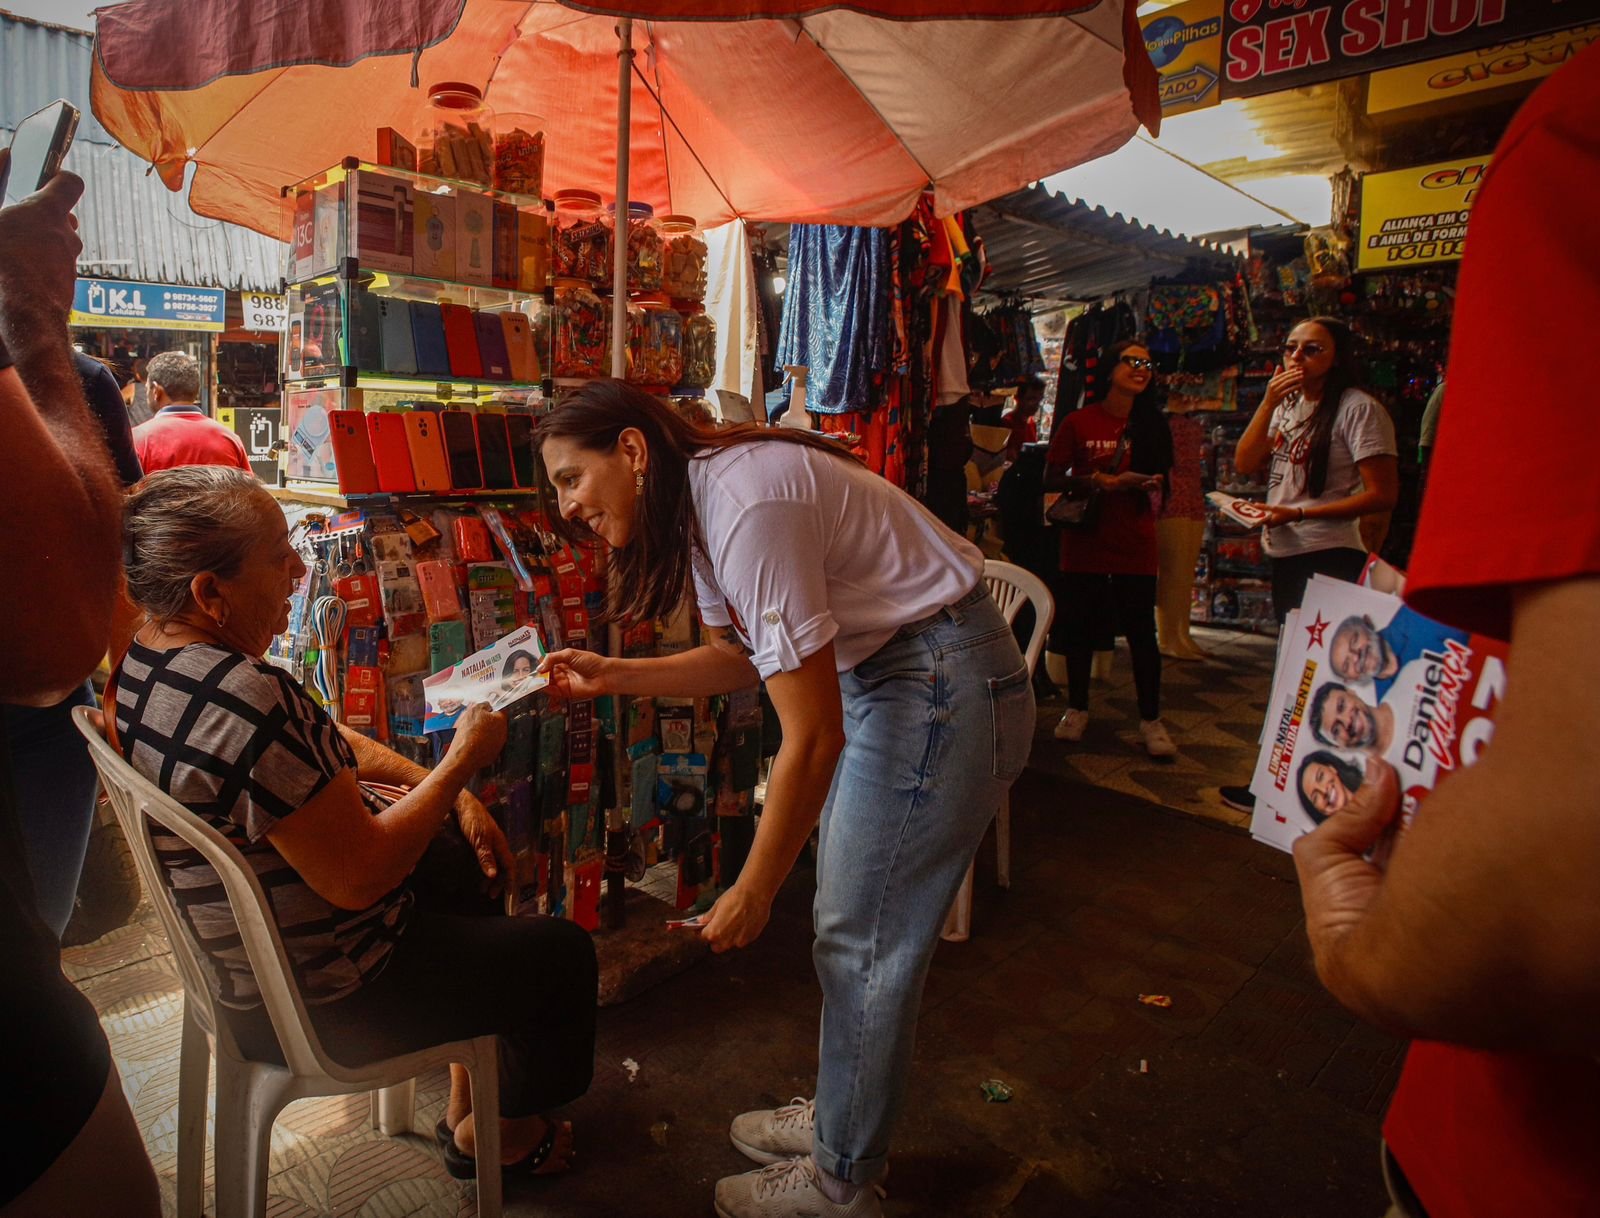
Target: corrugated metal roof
x,y
1047,246
132,226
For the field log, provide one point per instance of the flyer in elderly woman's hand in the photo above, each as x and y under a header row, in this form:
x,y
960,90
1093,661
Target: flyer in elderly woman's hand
x,y
1363,677
500,674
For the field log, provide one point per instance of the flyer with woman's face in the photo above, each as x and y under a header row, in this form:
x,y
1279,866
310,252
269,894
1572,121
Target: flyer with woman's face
x,y
499,675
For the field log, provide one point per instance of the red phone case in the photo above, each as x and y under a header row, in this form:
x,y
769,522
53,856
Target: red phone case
x,y
352,453
425,438
390,452
461,340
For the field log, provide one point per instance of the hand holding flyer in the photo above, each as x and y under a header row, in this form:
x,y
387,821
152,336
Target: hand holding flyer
x,y
1242,511
498,675
1363,677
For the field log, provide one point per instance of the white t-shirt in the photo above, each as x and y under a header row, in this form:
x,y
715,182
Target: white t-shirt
x,y
1363,429
803,548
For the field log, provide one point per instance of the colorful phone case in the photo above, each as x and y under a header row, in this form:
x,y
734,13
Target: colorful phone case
x,y
520,428
492,346
461,450
427,330
390,452
461,340
352,453
366,324
494,449
519,346
426,441
437,580
399,344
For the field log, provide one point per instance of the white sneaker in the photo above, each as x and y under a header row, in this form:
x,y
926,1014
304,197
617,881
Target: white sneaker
x,y
773,1135
1156,741
1072,725
788,1189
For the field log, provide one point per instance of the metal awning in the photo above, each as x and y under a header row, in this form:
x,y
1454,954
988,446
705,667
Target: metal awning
x,y
1051,248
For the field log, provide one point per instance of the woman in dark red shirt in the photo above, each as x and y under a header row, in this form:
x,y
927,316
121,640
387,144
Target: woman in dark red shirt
x,y
1108,570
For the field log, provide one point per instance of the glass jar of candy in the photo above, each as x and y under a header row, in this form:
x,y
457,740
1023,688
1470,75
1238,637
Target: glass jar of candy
x,y
456,139
580,239
580,333
699,349
660,361
519,154
683,259
644,247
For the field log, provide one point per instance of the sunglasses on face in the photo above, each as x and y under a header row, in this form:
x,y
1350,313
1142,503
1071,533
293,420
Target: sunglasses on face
x,y
1309,350
1139,364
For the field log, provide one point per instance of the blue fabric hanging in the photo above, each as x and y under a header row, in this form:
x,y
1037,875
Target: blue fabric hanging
x,y
836,313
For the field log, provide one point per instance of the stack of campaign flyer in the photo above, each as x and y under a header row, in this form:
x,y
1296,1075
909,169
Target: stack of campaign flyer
x,y
1362,677
500,674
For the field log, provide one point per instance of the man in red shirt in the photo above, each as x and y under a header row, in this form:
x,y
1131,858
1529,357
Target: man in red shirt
x,y
1482,939
180,433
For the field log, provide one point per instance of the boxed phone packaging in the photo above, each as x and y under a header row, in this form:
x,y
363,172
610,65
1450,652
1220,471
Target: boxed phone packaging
x,y
474,238
383,234
435,248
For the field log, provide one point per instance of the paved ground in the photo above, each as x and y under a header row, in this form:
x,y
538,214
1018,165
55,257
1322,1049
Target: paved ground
x,y
1252,1094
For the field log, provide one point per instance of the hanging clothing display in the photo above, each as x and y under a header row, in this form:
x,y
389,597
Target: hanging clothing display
x,y
1003,346
734,306
835,313
1088,334
1197,325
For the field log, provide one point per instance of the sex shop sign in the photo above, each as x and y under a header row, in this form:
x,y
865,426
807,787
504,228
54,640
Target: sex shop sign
x,y
1269,45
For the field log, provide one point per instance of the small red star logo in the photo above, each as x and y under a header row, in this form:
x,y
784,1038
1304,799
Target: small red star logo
x,y
1317,629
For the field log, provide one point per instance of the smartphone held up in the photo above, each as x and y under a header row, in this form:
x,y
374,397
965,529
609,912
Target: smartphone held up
x,y
38,148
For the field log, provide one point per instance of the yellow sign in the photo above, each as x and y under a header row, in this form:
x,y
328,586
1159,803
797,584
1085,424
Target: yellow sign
x,y
1185,44
1417,84
1418,215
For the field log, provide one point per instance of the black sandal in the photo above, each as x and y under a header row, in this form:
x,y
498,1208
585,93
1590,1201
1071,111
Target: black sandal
x,y
463,1166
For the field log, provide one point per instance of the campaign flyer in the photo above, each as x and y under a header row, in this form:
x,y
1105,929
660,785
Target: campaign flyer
x,y
499,674
1363,676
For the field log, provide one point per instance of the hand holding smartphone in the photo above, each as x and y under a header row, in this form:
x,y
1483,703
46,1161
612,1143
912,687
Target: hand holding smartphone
x,y
38,147
39,244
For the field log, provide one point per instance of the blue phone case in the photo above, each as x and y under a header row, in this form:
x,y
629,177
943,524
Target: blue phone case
x,y
427,330
399,344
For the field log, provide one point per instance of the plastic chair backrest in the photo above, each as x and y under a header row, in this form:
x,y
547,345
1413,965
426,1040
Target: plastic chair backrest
x,y
135,799
1010,585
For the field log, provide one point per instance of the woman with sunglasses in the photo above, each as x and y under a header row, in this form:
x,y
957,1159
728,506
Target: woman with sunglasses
x,y
1123,445
1333,460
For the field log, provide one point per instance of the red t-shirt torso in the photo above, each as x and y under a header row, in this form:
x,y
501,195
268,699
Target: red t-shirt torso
x,y
184,436
1123,542
1512,1135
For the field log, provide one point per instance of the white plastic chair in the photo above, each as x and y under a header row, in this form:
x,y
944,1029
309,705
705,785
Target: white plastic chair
x,y
1012,587
250,1094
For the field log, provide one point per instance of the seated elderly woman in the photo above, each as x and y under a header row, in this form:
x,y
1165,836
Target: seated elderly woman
x,y
384,968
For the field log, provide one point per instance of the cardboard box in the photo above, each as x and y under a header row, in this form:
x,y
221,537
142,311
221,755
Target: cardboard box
x,y
434,254
533,250
474,234
326,244
504,270
383,224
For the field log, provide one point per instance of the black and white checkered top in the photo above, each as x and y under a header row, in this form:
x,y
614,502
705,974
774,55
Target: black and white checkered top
x,y
242,746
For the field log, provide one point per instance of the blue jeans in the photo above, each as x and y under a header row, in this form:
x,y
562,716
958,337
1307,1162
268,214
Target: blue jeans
x,y
54,780
938,724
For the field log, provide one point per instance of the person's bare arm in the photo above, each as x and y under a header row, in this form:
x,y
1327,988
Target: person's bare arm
x,y
719,666
350,857
61,489
1485,929
811,710
1254,449
1380,490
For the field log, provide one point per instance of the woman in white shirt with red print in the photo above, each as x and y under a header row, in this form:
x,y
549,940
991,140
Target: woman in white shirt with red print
x,y
906,710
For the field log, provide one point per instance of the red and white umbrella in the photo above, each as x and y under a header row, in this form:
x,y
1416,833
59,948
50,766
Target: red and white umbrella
x,y
784,110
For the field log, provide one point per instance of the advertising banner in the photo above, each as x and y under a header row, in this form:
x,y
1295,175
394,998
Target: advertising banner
x,y
1269,45
124,304
1185,44
1418,215
1471,72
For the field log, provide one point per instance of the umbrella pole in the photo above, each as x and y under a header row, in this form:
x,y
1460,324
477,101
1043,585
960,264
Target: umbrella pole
x,y
619,264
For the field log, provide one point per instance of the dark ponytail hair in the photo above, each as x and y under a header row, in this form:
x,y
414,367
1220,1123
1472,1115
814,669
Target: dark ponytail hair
x,y
1344,375
650,575
1150,436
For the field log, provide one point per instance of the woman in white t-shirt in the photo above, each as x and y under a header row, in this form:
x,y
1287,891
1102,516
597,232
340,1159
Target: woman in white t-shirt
x,y
1333,460
1332,453
907,711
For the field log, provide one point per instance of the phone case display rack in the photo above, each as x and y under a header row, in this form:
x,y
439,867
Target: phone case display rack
x,y
409,291
586,791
